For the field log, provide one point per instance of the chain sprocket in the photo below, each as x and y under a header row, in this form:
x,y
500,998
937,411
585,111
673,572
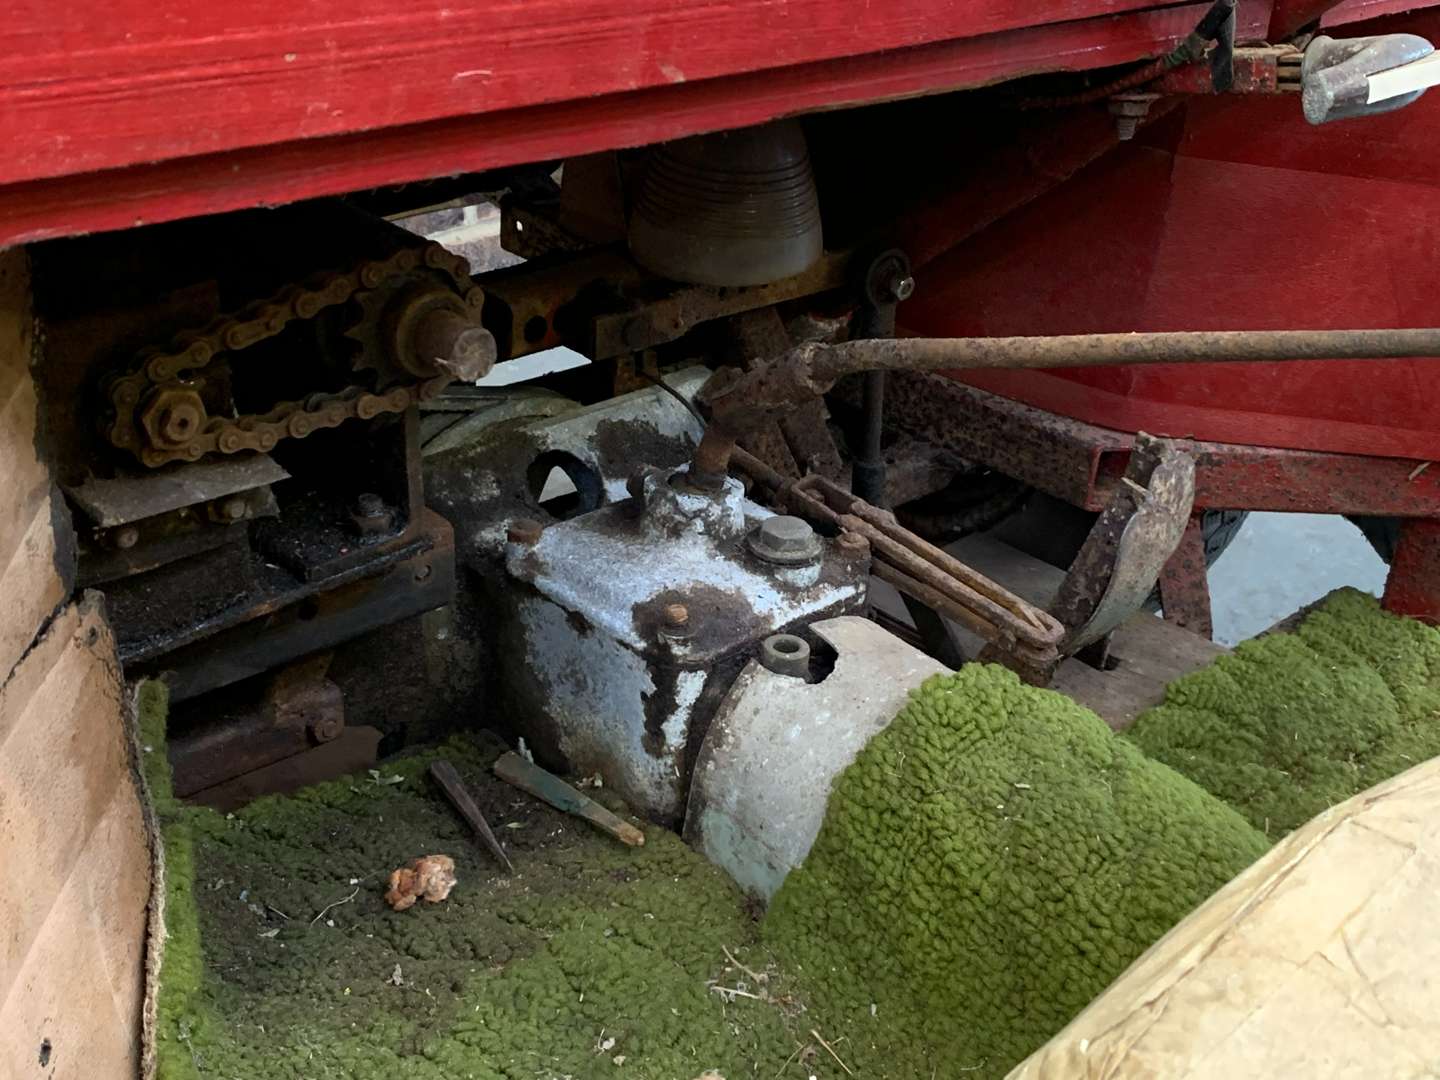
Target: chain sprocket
x,y
160,417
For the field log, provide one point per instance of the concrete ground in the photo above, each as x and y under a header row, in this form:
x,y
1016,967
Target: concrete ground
x,y
1280,562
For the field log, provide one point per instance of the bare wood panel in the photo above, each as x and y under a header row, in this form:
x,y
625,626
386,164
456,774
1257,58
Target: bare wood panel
x,y
77,859
30,582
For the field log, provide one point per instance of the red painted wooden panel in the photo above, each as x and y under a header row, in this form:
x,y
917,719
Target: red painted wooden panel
x,y
1150,240
86,85
298,169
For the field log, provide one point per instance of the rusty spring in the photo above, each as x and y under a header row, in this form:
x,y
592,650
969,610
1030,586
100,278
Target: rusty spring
x,y
919,568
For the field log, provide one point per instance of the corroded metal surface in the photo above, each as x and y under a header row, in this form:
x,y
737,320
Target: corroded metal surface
x,y
1184,583
1119,563
765,767
606,674
920,569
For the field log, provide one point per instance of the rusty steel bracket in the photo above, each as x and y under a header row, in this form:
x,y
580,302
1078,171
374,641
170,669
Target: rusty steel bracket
x,y
1184,584
1129,544
1024,636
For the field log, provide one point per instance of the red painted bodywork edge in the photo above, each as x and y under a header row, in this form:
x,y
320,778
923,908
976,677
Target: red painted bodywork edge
x,y
290,171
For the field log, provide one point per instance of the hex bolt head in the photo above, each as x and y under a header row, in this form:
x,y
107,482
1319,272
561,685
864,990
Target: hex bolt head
x,y
524,531
785,540
127,537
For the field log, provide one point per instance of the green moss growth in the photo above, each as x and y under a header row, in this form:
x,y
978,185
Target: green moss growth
x,y
1289,724
989,863
592,954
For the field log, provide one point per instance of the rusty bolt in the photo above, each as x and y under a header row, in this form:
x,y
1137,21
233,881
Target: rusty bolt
x,y
677,616
1128,110
172,416
451,343
371,516
326,726
126,538
853,543
524,531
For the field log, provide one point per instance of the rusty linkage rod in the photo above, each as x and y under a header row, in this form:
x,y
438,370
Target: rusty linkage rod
x,y
918,568
741,401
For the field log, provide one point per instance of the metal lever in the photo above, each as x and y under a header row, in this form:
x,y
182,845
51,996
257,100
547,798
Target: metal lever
x,y
1365,76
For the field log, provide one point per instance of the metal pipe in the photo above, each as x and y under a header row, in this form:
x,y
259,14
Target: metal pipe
x,y
1095,350
741,401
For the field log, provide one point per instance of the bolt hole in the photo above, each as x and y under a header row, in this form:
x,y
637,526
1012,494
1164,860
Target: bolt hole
x,y
45,1051
564,486
789,646
536,327
308,609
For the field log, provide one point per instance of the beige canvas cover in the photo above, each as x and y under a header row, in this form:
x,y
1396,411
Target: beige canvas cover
x,y
74,851
1322,960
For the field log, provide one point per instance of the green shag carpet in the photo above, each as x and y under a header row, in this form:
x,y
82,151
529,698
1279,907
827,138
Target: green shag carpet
x,y
1289,724
594,960
989,863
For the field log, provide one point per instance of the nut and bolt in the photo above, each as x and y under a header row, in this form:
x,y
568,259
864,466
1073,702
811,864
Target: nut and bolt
x,y
675,620
126,538
172,416
900,286
524,531
1128,110
371,516
784,540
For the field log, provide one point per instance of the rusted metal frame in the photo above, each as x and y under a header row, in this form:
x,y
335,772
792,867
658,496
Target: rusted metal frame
x,y
1413,587
1082,463
300,708
1044,450
741,401
1184,586
301,618
1264,69
602,304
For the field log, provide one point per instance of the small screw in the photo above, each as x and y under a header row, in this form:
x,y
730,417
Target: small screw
x,y
127,537
524,531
